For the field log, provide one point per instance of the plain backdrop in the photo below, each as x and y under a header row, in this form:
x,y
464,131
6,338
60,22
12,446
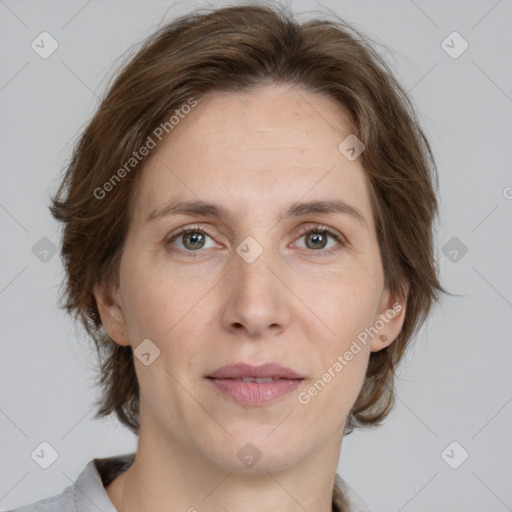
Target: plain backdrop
x,y
454,386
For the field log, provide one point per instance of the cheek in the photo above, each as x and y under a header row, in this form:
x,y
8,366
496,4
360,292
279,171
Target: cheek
x,y
346,303
346,306
153,301
171,310
328,398
343,292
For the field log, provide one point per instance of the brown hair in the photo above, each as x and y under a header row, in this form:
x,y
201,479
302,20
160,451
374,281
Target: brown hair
x,y
234,49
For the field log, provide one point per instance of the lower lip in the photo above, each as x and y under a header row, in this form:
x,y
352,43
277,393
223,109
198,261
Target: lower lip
x,y
255,393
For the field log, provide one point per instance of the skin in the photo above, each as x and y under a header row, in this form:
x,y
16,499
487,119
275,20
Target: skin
x,y
254,153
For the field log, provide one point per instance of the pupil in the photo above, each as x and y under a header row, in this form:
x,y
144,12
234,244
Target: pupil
x,y
195,239
317,237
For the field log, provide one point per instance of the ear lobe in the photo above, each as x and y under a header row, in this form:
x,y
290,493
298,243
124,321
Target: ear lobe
x,y
111,314
390,319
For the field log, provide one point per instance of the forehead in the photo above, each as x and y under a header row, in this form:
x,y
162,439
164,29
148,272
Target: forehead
x,y
253,151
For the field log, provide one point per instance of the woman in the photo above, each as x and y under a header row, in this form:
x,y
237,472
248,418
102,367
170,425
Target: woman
x,y
248,240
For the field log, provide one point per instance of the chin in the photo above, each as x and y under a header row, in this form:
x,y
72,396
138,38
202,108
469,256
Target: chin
x,y
258,452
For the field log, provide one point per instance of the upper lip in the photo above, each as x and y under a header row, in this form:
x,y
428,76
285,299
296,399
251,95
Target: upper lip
x,y
241,370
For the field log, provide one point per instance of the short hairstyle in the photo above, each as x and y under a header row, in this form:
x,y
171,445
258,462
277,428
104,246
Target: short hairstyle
x,y
236,49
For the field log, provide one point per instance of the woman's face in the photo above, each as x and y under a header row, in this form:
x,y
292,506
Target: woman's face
x,y
254,285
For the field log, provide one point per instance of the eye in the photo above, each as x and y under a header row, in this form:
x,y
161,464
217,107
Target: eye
x,y
316,239
192,239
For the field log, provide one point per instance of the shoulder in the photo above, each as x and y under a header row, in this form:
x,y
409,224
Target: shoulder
x,y
62,502
87,493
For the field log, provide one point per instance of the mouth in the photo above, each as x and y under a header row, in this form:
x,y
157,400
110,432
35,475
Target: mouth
x,y
247,371
259,380
255,385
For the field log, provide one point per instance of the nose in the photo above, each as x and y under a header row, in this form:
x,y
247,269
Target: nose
x,y
257,298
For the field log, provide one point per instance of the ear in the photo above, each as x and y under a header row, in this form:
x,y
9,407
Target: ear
x,y
389,319
111,313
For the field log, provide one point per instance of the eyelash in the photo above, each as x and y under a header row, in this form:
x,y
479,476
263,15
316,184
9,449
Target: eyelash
x,y
317,229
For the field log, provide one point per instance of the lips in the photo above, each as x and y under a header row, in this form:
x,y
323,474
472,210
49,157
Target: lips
x,y
255,386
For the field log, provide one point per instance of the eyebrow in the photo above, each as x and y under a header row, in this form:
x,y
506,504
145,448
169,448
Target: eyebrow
x,y
294,210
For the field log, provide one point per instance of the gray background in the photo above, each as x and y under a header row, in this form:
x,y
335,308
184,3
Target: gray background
x,y
455,385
